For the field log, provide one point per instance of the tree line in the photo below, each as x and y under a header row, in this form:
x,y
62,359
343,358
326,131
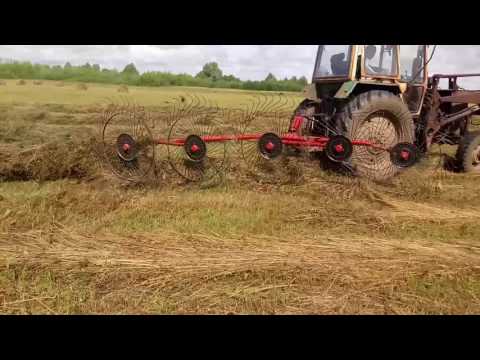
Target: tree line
x,y
210,76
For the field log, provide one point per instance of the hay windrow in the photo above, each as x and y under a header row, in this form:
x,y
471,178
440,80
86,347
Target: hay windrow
x,y
55,161
209,274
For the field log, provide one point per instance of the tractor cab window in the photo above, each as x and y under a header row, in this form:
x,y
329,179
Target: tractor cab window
x,y
333,61
412,63
380,60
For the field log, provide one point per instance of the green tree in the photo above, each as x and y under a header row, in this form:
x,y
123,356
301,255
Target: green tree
x,y
211,71
211,76
130,69
230,78
270,77
303,80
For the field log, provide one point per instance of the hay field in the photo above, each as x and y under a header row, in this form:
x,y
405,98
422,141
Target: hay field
x,y
64,93
74,240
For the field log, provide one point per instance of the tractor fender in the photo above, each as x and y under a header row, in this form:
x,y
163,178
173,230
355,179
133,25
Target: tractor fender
x,y
310,92
346,89
355,88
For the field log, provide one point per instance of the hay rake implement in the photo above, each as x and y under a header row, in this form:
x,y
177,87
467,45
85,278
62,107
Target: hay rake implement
x,y
370,111
198,137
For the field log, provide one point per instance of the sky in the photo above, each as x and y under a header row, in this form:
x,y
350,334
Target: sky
x,y
248,62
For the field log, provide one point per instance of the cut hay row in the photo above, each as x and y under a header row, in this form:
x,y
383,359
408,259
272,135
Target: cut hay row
x,y
200,273
51,162
200,251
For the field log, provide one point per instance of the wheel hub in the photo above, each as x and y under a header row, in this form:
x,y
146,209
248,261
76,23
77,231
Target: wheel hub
x,y
195,148
270,146
127,147
339,148
404,155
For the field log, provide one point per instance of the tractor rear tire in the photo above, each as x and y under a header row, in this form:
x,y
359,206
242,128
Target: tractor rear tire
x,y
468,153
364,118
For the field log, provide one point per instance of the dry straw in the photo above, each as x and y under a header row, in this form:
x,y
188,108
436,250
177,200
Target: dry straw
x,y
123,89
319,275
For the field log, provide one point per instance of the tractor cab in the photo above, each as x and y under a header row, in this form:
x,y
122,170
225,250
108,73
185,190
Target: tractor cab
x,y
384,93
345,70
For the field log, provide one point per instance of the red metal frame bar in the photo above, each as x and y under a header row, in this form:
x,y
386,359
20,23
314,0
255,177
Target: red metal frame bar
x,y
289,139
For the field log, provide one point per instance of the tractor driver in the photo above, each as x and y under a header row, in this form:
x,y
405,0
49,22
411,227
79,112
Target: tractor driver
x,y
339,64
370,52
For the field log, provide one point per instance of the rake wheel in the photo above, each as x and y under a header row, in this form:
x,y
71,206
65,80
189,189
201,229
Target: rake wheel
x,y
128,147
268,157
195,158
254,154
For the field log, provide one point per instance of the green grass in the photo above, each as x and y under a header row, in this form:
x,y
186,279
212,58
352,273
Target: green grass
x,y
319,244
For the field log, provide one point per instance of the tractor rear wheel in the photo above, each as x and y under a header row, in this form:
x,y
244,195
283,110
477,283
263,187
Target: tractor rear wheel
x,y
468,153
379,117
